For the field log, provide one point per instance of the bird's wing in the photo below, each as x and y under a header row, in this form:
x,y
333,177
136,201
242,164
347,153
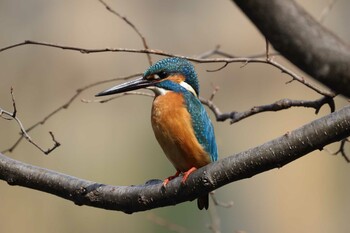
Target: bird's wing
x,y
202,125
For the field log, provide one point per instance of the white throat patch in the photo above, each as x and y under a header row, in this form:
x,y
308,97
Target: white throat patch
x,y
188,88
157,90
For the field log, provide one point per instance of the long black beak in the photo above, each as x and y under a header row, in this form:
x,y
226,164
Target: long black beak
x,y
127,86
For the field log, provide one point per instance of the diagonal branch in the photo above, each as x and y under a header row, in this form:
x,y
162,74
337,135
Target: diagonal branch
x,y
62,107
327,10
130,199
24,133
302,40
127,21
342,150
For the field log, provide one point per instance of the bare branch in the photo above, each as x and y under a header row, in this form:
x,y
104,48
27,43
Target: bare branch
x,y
209,52
166,224
217,51
215,90
305,42
327,10
215,221
126,20
269,60
220,116
24,133
300,79
276,106
220,68
342,150
219,203
273,154
267,49
14,113
64,106
226,60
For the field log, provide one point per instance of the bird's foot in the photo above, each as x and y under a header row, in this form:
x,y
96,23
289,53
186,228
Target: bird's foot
x,y
186,174
166,181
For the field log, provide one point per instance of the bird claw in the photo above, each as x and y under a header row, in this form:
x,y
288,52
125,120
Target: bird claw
x,y
166,181
187,174
184,178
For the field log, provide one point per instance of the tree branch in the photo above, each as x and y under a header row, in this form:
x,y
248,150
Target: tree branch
x,y
274,107
24,133
62,107
302,40
342,149
129,199
128,22
228,59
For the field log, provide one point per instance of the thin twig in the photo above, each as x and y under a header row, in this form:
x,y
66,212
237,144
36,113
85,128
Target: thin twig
x,y
218,69
300,79
327,10
65,106
219,203
217,51
215,221
14,113
166,223
267,49
24,133
209,53
220,116
341,150
268,60
244,60
215,90
126,20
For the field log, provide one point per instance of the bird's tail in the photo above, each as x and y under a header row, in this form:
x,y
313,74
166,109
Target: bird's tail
x,y
203,202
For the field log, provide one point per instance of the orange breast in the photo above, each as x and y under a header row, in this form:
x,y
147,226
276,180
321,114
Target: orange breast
x,y
172,127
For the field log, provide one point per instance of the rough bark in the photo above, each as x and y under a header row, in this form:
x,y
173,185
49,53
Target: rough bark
x,y
273,154
302,40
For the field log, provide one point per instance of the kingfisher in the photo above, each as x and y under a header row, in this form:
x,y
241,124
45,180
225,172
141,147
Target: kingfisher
x,y
180,122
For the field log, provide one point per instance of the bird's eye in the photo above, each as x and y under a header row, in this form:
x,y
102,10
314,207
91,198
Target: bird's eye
x,y
157,76
162,74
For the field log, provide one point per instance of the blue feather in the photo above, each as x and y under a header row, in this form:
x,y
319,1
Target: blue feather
x,y
202,125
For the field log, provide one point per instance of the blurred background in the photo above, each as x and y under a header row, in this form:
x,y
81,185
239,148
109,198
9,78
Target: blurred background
x,y
113,143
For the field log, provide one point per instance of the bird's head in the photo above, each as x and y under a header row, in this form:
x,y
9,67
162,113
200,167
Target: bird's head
x,y
166,74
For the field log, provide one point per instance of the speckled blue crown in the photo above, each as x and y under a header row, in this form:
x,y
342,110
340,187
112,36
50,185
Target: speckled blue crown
x,y
175,65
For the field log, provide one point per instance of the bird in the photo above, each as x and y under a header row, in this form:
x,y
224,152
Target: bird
x,y
180,122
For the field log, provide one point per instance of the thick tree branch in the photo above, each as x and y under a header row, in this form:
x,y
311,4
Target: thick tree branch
x,y
129,199
302,40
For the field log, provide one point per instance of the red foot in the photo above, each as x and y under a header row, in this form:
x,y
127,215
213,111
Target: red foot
x,y
166,181
186,174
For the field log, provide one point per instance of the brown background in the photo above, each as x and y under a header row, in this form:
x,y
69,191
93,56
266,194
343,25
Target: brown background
x,y
113,143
